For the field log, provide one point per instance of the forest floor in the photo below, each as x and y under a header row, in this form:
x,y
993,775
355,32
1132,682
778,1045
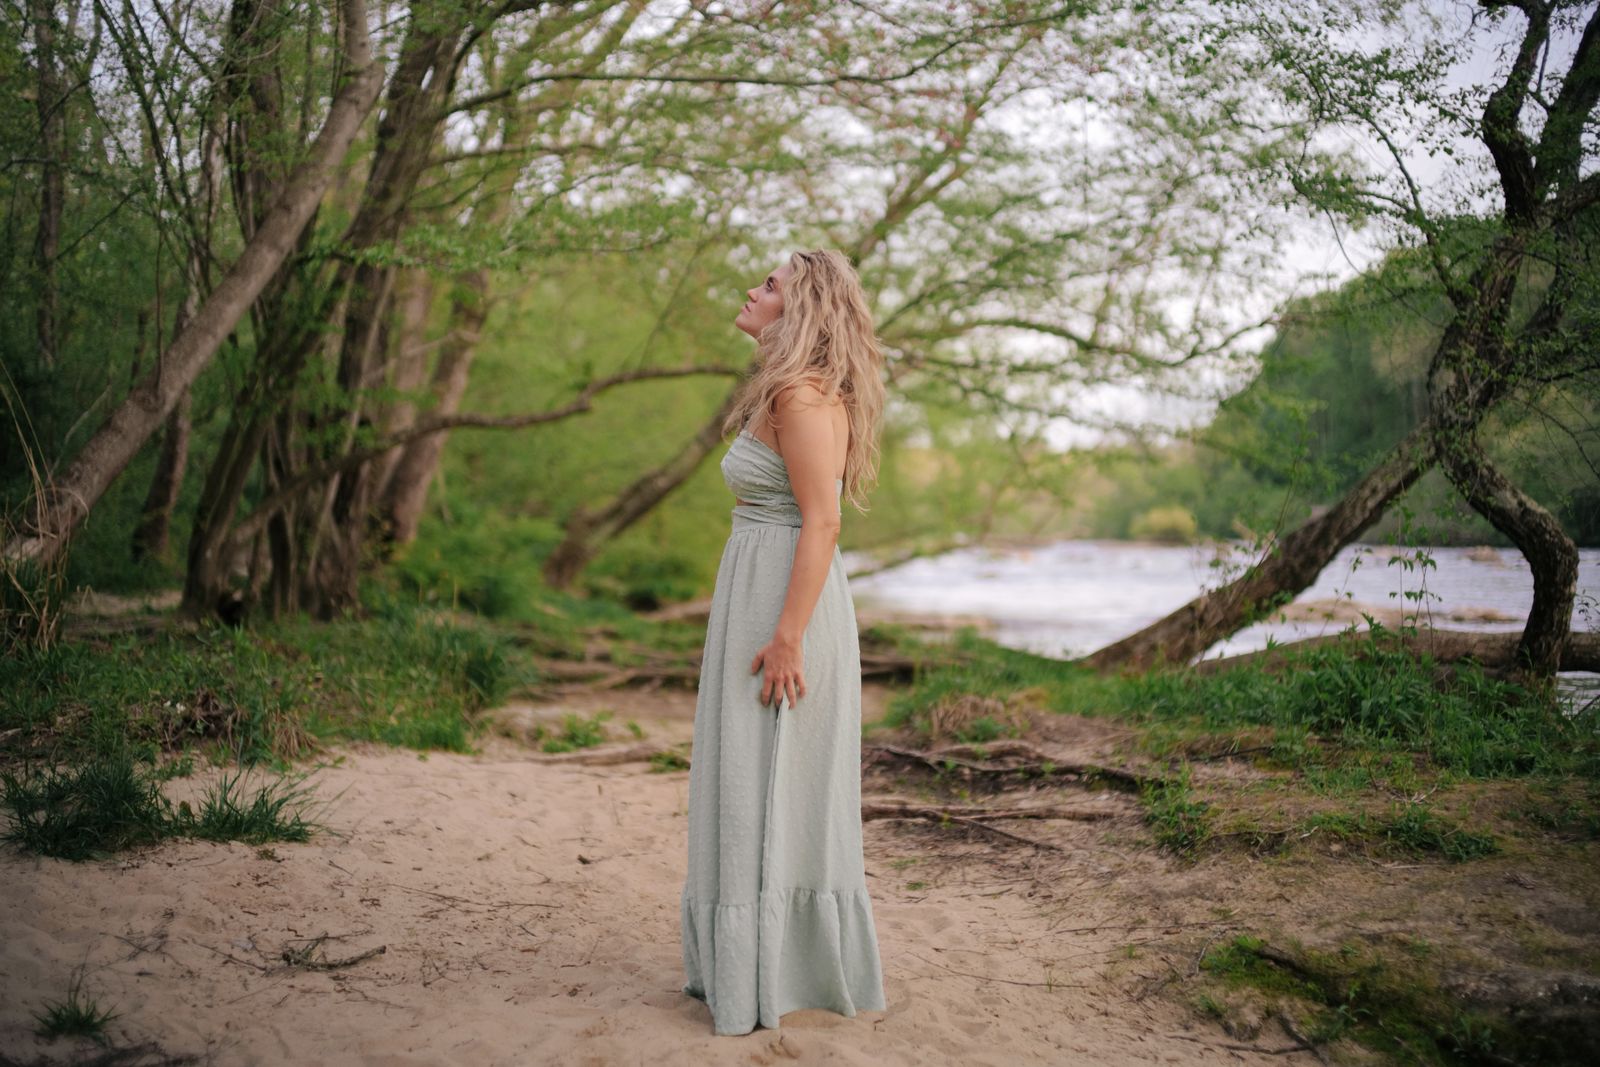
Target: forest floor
x,y
507,908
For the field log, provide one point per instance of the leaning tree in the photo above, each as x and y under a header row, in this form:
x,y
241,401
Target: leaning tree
x,y
1520,297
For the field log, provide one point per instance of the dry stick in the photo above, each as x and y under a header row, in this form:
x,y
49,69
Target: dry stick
x,y
301,957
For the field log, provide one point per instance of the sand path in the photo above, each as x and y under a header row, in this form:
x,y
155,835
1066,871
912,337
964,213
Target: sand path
x,y
529,915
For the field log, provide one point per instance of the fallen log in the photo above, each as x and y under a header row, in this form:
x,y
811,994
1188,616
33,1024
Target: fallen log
x,y
1496,651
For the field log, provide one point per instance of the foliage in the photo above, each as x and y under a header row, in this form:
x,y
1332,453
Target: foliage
x,y
268,694
75,1016
113,801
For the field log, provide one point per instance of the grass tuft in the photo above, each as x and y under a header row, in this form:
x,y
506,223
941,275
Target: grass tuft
x,y
76,1016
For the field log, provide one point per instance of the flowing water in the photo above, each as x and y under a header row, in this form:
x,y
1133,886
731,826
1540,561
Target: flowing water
x,y
1068,598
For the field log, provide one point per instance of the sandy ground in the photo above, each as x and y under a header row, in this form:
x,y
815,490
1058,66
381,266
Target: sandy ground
x,y
528,914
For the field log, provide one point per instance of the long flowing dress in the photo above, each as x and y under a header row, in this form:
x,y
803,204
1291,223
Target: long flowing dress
x,y
775,913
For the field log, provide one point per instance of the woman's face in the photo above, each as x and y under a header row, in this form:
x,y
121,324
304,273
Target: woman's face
x,y
765,304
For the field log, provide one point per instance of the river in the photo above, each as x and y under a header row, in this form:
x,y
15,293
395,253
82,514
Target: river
x,y
1067,598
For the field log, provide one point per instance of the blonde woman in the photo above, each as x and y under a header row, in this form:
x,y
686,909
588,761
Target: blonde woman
x,y
775,913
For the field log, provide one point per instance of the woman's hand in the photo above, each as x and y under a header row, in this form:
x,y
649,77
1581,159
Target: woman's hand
x,y
782,657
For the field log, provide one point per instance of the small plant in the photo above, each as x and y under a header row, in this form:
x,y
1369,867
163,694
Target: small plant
x,y
1181,823
668,761
272,814
113,801
76,1016
578,732
77,813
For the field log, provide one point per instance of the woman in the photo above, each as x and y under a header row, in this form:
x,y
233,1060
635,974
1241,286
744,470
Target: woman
x,y
775,913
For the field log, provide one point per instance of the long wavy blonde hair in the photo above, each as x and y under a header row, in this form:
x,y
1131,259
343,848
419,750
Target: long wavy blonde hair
x,y
824,336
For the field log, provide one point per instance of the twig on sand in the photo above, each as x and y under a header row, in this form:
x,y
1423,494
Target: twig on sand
x,y
304,957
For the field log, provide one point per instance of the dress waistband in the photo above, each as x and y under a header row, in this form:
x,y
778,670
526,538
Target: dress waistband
x,y
746,515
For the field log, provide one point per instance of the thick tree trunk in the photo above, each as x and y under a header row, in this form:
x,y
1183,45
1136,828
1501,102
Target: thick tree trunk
x,y
63,506
1292,564
587,530
1470,371
332,557
1550,553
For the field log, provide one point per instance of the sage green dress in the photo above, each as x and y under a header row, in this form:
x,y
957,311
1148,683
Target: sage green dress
x,y
775,914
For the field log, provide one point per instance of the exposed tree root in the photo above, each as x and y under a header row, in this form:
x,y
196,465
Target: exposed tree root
x,y
908,810
946,815
1040,765
604,756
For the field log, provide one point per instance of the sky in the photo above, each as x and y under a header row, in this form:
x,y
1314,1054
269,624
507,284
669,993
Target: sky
x,y
1316,253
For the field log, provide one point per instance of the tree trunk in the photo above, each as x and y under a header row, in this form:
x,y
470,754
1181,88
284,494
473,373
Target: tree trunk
x,y
63,506
409,367
52,187
1291,565
332,556
407,491
587,531
151,535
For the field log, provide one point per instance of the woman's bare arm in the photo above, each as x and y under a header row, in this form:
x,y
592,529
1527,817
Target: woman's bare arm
x,y
807,445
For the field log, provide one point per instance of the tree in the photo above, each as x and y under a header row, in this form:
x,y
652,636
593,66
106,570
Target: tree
x,y
64,503
1539,232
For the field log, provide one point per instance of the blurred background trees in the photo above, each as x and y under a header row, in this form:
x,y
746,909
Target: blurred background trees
x,y
255,297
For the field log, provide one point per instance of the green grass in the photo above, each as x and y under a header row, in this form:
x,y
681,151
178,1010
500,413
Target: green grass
x,y
95,808
1350,723
113,801
268,693
274,811
1180,823
1375,704
662,762
576,732
1388,1002
1411,829
76,1016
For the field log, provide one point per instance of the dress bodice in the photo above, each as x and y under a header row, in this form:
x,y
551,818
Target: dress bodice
x,y
756,474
